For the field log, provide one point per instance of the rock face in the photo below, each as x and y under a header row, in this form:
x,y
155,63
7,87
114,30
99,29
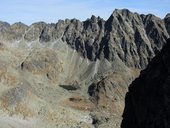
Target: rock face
x,y
132,37
167,22
74,71
147,102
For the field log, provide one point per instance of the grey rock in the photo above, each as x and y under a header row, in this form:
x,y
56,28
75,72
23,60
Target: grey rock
x,y
167,22
4,26
12,32
34,31
156,31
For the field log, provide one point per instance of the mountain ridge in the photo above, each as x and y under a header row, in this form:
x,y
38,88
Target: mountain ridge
x,y
93,38
124,9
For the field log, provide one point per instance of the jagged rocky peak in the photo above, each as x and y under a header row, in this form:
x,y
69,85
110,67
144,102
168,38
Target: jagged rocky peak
x,y
167,15
123,12
4,24
34,31
94,19
126,32
19,28
127,36
167,22
12,32
147,102
156,31
19,25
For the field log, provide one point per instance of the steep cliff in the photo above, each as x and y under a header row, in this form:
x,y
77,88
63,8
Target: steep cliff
x,y
147,102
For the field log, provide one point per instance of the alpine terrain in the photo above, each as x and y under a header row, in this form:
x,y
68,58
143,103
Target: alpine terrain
x,y
74,74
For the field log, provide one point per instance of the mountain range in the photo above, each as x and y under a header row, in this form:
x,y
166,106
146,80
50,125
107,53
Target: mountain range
x,y
73,73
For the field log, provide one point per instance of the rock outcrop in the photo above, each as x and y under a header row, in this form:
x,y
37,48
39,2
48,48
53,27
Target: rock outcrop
x,y
167,22
147,102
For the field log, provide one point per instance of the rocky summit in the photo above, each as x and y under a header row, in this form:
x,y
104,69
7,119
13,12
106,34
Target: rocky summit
x,y
74,74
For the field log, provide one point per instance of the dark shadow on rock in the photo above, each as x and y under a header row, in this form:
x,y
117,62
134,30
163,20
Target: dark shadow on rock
x,y
70,87
147,104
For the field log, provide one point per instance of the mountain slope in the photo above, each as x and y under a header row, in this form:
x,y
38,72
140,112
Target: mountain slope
x,y
147,102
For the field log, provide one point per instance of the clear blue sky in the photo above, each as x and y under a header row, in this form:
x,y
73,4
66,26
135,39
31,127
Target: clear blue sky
x,y
29,11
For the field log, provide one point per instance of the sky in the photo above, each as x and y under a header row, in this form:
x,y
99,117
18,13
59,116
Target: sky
x,y
50,11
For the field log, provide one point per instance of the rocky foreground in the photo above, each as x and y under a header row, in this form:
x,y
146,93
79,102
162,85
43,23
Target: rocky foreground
x,y
147,102
74,74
